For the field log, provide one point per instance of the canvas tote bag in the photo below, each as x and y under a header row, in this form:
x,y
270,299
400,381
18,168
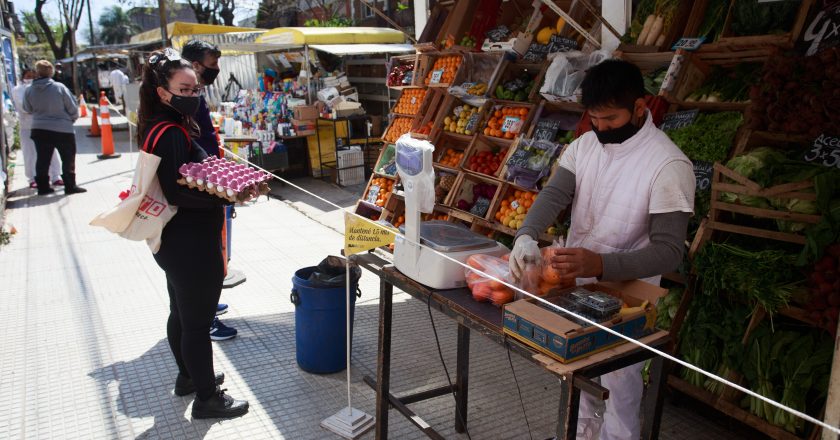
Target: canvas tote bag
x,y
143,214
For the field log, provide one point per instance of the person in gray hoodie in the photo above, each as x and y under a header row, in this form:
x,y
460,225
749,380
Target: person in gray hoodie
x,y
53,109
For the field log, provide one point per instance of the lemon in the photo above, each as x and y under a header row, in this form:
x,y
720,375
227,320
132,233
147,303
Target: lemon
x,y
520,210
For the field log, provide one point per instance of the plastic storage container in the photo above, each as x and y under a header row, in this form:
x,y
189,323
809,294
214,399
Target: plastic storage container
x,y
599,305
321,324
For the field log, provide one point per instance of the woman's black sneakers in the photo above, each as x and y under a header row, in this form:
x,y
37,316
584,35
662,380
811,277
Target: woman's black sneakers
x,y
219,406
184,385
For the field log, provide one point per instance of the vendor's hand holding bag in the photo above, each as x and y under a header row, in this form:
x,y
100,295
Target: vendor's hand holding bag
x,y
143,214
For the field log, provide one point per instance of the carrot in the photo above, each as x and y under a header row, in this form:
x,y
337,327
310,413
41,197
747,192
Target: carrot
x,y
645,29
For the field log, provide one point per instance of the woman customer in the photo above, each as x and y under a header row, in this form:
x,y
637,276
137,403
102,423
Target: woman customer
x,y
53,109
191,250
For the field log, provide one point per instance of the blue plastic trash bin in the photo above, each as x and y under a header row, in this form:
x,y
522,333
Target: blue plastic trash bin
x,y
320,323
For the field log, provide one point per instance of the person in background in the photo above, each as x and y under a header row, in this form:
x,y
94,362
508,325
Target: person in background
x,y
118,82
26,143
205,61
53,109
632,192
191,251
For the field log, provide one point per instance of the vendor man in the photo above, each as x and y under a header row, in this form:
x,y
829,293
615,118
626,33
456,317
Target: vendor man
x,y
632,192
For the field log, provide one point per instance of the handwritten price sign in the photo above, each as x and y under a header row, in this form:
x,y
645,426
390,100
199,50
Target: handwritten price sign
x,y
512,123
436,76
826,151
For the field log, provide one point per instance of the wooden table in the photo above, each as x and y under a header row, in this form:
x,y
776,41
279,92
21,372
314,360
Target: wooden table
x,y
487,320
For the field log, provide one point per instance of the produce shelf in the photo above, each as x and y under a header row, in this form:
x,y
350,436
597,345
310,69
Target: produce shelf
x,y
730,409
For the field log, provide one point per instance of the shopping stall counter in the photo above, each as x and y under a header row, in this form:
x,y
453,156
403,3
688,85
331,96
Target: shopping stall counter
x,y
487,320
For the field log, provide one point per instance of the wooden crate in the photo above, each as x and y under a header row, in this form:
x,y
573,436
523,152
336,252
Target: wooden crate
x,y
463,190
492,106
728,41
479,68
450,141
690,70
439,173
445,110
369,198
672,34
438,17
386,155
510,15
426,66
428,112
722,181
454,25
392,133
404,99
510,70
749,139
487,143
402,60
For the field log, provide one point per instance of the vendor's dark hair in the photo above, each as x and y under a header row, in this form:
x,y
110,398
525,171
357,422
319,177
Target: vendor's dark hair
x,y
612,83
156,75
196,50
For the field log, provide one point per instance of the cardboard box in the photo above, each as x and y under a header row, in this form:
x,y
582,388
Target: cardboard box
x,y
564,340
305,112
304,127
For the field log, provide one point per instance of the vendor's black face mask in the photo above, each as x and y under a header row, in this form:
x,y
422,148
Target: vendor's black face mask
x,y
616,135
208,75
185,105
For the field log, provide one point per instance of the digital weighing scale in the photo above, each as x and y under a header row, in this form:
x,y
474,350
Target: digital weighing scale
x,y
423,263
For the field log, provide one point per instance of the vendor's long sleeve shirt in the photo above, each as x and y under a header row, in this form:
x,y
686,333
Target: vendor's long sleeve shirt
x,y
662,255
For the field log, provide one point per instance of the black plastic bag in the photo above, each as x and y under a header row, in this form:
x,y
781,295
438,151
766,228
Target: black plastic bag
x,y
331,272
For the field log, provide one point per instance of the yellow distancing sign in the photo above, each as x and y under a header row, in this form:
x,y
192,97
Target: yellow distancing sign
x,y
361,235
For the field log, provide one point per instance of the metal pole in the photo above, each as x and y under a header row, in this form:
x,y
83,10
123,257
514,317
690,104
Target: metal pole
x,y
163,32
90,24
348,340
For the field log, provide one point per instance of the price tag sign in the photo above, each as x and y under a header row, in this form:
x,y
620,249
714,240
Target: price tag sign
x,y
676,120
373,194
825,151
547,130
436,76
689,44
824,30
472,123
512,124
480,208
703,174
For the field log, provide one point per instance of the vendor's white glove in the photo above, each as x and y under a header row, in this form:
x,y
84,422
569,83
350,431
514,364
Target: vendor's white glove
x,y
525,249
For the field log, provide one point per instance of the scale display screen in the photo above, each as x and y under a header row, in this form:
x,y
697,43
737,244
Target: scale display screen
x,y
410,159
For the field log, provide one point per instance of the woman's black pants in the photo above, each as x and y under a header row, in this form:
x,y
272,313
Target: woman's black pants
x,y
190,255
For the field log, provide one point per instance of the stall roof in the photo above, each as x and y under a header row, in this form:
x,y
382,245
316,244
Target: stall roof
x,y
179,28
363,49
82,57
297,36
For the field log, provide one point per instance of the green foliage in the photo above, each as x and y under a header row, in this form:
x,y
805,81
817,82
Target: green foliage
x,y
332,22
116,26
710,137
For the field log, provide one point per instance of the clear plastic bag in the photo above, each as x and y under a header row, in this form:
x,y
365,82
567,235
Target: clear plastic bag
x,y
567,70
531,162
484,289
552,278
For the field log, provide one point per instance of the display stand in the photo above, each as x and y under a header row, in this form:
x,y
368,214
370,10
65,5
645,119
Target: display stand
x,y
333,164
487,320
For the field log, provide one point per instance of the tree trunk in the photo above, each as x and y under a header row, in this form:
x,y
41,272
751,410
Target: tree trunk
x,y
58,52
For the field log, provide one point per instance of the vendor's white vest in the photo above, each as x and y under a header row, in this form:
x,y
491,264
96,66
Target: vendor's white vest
x,y
610,212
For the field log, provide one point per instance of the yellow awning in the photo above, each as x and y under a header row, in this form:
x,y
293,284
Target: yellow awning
x,y
331,35
180,28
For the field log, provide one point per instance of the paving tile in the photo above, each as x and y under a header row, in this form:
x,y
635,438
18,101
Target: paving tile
x,y
85,351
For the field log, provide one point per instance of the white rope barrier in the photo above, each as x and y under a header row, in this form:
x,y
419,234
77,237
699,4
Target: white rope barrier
x,y
713,376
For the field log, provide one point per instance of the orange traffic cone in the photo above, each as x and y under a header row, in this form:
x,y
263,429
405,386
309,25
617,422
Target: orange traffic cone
x,y
107,134
94,124
82,107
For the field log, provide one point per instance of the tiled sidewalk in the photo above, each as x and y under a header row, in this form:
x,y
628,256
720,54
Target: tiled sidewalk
x,y
85,355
